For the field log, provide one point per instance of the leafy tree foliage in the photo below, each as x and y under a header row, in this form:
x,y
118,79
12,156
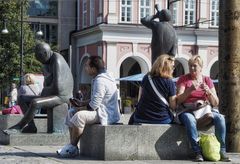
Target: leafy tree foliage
x,y
10,11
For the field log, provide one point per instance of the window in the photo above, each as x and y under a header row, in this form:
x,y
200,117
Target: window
x,y
126,10
145,8
174,13
190,6
214,12
92,12
41,8
84,21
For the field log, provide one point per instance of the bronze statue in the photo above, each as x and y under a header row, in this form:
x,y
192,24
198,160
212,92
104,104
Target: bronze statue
x,y
58,87
164,37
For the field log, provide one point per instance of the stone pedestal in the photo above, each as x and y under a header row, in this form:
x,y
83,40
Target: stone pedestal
x,y
56,118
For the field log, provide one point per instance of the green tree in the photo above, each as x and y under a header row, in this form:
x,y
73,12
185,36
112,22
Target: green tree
x,y
10,11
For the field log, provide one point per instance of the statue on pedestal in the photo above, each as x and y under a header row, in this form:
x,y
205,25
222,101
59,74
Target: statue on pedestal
x,y
58,88
164,37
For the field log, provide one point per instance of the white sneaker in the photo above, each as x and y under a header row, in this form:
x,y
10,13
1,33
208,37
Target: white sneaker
x,y
68,151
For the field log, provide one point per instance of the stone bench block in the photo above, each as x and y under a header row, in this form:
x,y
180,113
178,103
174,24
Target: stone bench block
x,y
56,118
52,122
7,121
135,142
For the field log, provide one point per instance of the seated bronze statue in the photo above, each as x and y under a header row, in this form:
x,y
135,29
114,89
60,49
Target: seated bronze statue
x,y
58,88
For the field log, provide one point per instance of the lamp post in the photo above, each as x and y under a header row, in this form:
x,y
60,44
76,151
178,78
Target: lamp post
x,y
21,46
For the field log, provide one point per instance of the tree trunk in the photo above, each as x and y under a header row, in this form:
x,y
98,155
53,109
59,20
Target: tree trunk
x,y
229,69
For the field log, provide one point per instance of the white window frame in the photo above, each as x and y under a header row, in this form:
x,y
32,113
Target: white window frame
x,y
144,7
175,13
84,13
190,9
214,13
125,15
92,12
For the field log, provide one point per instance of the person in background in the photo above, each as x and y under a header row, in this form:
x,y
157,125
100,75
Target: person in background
x,y
13,95
30,88
101,108
193,87
150,109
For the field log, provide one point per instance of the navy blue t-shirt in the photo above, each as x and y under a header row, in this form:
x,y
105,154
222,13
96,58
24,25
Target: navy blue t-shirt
x,y
150,109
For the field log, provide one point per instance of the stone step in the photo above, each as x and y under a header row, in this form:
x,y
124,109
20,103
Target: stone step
x,y
20,139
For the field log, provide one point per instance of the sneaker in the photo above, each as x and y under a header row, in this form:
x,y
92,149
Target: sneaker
x,y
68,151
224,157
198,157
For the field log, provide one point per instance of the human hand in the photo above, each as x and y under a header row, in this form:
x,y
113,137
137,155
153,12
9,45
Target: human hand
x,y
206,89
195,85
75,102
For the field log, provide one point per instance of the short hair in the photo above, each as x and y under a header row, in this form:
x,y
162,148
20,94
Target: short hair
x,y
96,62
29,79
196,59
163,66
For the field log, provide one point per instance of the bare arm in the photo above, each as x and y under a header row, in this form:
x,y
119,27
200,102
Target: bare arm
x,y
139,93
183,94
173,102
212,95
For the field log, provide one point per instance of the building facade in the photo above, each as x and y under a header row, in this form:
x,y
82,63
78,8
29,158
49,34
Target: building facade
x,y
55,18
112,30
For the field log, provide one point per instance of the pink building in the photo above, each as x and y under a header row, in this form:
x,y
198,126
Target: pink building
x,y
112,30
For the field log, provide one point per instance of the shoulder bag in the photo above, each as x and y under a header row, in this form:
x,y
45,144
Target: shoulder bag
x,y
160,95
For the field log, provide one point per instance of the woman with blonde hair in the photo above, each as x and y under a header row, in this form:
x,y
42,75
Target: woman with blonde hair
x,y
193,90
151,108
30,87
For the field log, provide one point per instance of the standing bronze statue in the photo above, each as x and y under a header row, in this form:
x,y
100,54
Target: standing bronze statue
x,y
58,87
164,37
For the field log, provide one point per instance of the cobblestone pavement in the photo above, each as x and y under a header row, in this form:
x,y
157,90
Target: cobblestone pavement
x,y
47,155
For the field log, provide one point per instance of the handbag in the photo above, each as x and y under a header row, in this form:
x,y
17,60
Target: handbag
x,y
16,109
201,108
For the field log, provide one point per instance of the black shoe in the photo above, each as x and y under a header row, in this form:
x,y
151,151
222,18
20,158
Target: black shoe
x,y
198,157
29,129
224,157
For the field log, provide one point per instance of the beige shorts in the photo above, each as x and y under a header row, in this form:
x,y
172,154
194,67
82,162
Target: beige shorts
x,y
81,118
